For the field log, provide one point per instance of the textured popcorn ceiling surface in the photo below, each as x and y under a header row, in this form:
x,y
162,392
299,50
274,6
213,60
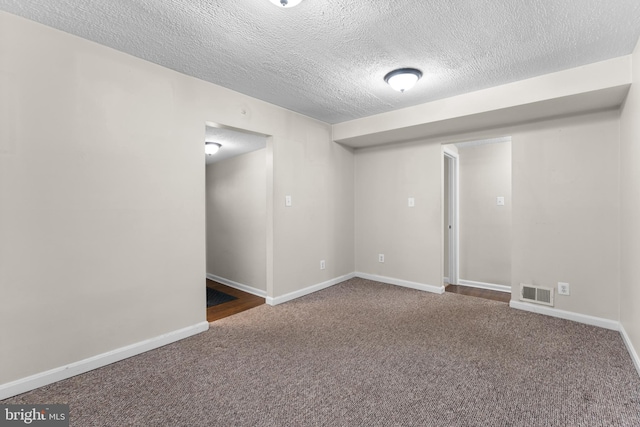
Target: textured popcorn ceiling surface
x,y
232,142
327,58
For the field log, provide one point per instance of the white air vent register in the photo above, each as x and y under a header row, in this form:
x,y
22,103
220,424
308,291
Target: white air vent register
x,y
536,294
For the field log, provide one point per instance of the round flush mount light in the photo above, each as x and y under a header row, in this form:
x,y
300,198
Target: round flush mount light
x,y
211,148
403,79
286,3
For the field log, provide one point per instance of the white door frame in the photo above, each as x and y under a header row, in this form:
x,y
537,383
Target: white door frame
x,y
454,221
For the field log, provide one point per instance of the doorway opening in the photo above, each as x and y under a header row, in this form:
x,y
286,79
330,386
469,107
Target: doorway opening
x,y
477,217
237,189
450,224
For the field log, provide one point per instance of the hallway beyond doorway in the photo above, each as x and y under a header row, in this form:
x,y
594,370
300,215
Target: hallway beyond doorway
x,y
244,301
480,293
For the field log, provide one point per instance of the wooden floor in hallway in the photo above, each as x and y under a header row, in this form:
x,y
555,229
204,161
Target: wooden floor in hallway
x,y
244,301
480,293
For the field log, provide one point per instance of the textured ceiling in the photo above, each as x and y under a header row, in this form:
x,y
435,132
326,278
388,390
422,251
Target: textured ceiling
x,y
233,143
327,58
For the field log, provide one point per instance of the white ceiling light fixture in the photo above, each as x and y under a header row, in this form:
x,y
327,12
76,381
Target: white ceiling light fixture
x,y
211,148
403,79
286,3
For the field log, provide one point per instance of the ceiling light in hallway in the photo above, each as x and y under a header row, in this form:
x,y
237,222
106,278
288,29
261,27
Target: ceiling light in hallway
x,y
286,3
211,148
403,79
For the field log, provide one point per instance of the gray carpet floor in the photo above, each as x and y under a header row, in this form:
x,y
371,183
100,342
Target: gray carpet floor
x,y
363,353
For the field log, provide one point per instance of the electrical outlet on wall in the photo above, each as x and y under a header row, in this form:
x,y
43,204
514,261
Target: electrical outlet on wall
x,y
322,264
563,288
380,257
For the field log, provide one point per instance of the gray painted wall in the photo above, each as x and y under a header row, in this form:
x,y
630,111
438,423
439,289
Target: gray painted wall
x,y
630,209
410,238
565,210
485,227
237,219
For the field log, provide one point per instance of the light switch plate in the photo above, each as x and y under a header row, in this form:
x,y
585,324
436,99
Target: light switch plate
x,y
412,202
287,201
500,201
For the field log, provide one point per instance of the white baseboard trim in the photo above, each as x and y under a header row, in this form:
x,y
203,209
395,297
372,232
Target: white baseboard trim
x,y
308,290
568,315
246,288
403,283
630,349
57,374
483,285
